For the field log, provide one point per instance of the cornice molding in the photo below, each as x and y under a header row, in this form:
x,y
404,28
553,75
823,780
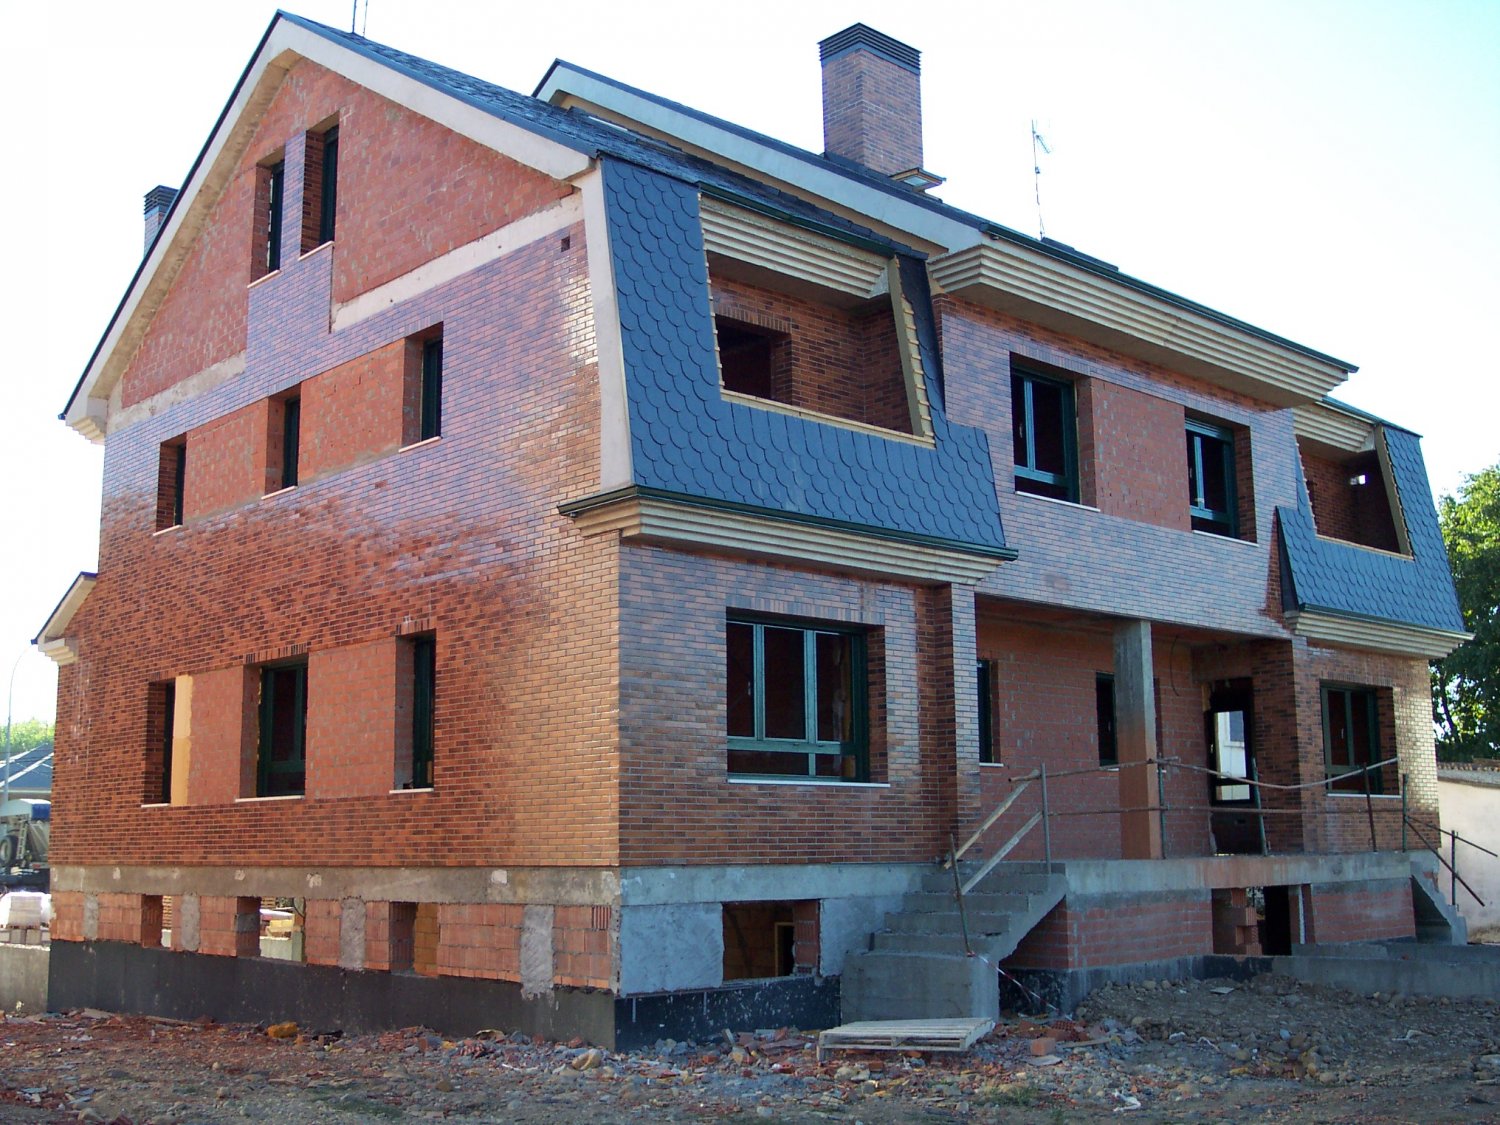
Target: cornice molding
x,y
1383,636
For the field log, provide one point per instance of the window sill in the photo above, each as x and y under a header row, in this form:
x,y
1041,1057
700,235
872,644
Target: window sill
x,y
419,444
1361,796
157,805
164,530
280,492
306,254
1402,555
264,277
832,782
1055,500
1225,538
415,789
283,797
739,398
991,765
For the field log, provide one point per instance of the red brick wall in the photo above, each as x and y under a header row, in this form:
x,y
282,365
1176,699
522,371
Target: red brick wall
x,y
581,954
1141,439
480,940
1045,713
871,112
67,916
228,927
843,363
223,734
353,413
394,213
1364,912
1118,930
1357,513
229,462
320,942
352,718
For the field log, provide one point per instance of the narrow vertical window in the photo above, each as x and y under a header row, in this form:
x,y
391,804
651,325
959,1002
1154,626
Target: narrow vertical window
x,y
1210,465
283,731
275,216
984,685
1046,436
1104,719
161,706
171,478
328,201
424,710
169,718
432,389
291,440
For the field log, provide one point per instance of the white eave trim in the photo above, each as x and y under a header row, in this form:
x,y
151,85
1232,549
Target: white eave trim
x,y
1383,636
285,45
1326,424
1056,294
650,519
51,640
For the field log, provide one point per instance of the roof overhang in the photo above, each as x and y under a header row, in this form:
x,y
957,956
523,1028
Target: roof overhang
x,y
1366,633
52,641
1335,427
286,42
1056,293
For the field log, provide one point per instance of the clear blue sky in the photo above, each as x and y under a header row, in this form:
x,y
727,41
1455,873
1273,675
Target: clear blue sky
x,y
1327,170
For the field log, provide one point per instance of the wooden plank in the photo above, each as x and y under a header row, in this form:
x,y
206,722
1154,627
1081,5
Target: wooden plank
x,y
905,1035
994,860
990,820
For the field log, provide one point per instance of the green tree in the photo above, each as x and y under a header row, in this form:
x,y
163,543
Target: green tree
x,y
26,734
1466,684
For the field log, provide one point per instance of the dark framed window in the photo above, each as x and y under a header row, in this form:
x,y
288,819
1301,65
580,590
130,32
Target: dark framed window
x,y
275,216
432,389
748,356
1045,429
1351,737
281,759
423,709
328,196
161,707
171,483
1104,719
291,440
1210,463
984,685
796,699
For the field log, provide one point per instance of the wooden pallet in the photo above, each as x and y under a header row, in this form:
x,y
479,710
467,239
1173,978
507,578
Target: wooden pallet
x,y
904,1035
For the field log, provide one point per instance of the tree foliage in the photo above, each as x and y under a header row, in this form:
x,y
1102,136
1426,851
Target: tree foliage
x,y
1466,684
26,734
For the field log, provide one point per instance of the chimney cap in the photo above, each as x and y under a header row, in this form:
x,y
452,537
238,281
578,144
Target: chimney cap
x,y
862,37
160,198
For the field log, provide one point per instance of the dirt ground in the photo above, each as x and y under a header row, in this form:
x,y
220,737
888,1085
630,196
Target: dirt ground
x,y
1270,1050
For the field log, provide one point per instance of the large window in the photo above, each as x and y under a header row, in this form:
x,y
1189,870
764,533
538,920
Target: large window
x,y
1351,738
1046,436
796,700
1210,464
281,761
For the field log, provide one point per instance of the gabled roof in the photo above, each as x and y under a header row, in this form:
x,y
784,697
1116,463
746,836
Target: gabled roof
x,y
52,641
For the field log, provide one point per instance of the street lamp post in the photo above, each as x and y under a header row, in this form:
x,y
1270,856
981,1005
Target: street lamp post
x,y
10,696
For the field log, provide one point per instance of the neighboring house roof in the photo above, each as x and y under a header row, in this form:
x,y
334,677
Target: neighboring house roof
x,y
31,771
1328,578
1484,772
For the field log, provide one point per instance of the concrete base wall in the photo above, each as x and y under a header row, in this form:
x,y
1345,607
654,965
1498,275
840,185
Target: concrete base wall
x,y
23,977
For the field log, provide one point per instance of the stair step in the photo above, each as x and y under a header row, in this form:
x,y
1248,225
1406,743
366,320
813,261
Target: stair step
x,y
948,921
946,944
1001,879
1002,902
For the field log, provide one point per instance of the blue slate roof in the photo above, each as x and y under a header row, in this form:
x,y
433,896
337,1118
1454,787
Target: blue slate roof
x,y
1339,578
687,441
31,770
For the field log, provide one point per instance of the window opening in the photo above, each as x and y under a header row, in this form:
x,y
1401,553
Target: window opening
x,y
796,701
328,204
432,389
403,926
291,440
1046,437
275,216
1104,719
747,357
424,696
1351,738
171,481
984,674
161,706
760,939
283,731
1210,462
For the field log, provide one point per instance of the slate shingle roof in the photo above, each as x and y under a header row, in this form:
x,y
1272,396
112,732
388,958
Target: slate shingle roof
x,y
31,770
1339,578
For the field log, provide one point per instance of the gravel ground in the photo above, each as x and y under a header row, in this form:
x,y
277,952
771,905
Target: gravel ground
x,y
1268,1050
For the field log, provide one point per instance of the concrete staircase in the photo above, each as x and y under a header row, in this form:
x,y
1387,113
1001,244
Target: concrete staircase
x,y
1437,920
917,968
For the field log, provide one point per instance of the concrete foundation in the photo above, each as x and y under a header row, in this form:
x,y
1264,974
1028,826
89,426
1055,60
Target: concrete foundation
x,y
23,977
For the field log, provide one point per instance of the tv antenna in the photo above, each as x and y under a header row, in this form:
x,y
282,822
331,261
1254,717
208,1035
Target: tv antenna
x,y
1038,142
356,25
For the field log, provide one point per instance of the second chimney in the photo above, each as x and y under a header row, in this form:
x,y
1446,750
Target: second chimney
x,y
872,102
159,201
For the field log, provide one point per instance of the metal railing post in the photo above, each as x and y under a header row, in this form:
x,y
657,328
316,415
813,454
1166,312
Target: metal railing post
x,y
1161,807
1452,866
1403,812
1046,821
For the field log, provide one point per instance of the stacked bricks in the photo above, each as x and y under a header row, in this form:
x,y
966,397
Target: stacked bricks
x,y
1119,930
480,940
1235,923
390,935
807,948
67,916
321,929
228,926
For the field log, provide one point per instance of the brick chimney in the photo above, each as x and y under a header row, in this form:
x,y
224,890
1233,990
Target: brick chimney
x,y
158,202
872,104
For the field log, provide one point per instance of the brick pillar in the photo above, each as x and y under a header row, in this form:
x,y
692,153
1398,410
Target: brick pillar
x,y
1135,741
949,723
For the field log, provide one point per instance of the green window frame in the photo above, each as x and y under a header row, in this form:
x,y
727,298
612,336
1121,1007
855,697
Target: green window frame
x,y
1351,737
276,214
423,710
797,700
432,389
281,759
291,440
328,204
1045,428
1211,487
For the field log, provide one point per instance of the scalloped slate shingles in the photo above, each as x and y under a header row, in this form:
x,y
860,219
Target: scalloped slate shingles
x,y
1340,578
686,439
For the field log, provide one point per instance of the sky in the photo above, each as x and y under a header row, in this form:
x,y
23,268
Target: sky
x,y
1328,170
